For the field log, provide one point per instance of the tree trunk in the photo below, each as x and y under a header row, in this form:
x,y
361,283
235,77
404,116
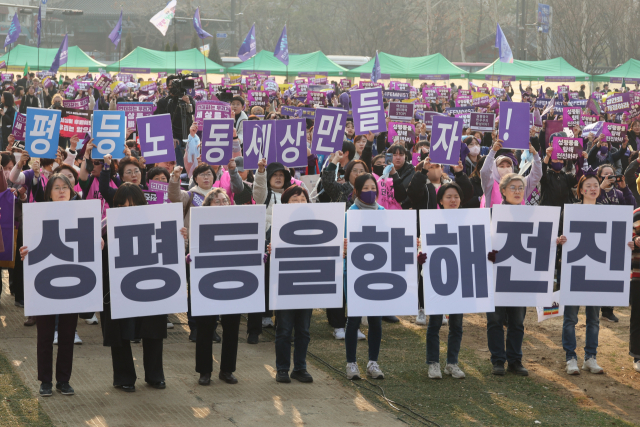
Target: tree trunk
x,y
583,29
462,31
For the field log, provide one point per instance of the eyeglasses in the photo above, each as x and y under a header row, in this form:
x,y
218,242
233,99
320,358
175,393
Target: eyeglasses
x,y
206,175
62,188
516,189
132,172
219,202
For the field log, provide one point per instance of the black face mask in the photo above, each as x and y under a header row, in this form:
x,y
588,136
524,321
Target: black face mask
x,y
378,169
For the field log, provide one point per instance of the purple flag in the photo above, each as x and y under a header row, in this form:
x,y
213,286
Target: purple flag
x,y
368,111
116,34
197,24
446,136
282,47
61,56
514,125
248,47
217,141
291,142
14,31
39,24
376,73
257,137
328,131
503,46
156,138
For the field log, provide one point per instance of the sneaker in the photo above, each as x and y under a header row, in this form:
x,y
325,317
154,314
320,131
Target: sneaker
x,y
445,320
92,321
421,318
636,366
610,317
45,389
454,370
302,375
572,367
518,369
361,335
170,325
592,366
364,321
267,322
283,377
353,373
498,368
253,338
434,371
55,338
373,370
19,304
338,333
65,389
77,340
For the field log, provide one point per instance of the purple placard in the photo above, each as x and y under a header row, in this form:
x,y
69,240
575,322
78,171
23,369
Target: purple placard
x,y
618,103
482,122
7,77
466,117
345,84
71,92
368,111
217,141
84,86
257,140
443,92
396,94
401,133
311,73
124,77
429,94
162,74
78,104
134,111
19,126
424,106
433,77
499,78
161,187
588,119
563,89
368,85
156,138
103,82
154,197
514,125
445,140
401,111
258,97
211,110
328,130
566,148
148,86
428,118
291,142
316,97
7,223
614,132
571,116
135,70
287,110
559,79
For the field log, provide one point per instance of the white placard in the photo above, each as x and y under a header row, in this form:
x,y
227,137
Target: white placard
x,y
596,261
227,245
457,276
382,265
307,241
525,238
63,270
147,273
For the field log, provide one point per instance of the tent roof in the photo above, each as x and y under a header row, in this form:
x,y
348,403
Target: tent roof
x,y
412,68
152,61
630,69
307,62
530,70
21,55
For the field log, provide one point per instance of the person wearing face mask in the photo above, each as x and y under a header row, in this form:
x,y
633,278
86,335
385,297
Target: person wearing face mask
x,y
341,191
602,152
556,183
495,168
471,161
392,192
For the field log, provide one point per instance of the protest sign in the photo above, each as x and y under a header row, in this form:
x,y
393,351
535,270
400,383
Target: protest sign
x,y
403,133
306,268
566,148
618,103
102,83
226,248
588,119
316,97
563,89
43,131
160,187
134,111
77,104
211,110
156,138
63,270
217,141
108,132
19,127
554,310
368,111
523,275
514,129
75,122
153,197
482,122
428,118
381,262
458,277
571,116
429,94
596,260
400,111
291,142
396,94
8,245
137,236
466,119
614,132
258,97
446,138
328,131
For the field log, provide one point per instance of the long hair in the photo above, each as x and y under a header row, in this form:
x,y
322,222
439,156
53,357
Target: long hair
x,y
52,180
129,192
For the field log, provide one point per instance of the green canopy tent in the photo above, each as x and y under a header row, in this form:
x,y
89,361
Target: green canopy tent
x,y
431,67
308,62
77,60
628,70
142,60
557,69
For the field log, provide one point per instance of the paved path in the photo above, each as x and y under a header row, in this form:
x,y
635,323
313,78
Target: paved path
x,y
257,400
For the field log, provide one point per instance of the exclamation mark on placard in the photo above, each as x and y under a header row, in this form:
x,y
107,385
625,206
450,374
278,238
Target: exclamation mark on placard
x,y
506,126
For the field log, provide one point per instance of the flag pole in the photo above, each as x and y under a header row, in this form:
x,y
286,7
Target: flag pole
x,y
120,46
205,57
175,42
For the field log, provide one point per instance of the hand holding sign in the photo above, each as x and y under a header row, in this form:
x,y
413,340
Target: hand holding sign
x,y
514,129
445,140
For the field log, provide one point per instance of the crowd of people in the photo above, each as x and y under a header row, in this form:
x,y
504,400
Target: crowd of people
x,y
359,174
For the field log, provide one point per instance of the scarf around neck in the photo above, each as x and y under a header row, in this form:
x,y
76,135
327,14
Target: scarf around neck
x,y
362,205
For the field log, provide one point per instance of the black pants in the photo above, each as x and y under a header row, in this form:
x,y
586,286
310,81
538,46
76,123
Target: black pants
x,y
254,320
634,326
336,316
204,352
16,274
124,370
46,326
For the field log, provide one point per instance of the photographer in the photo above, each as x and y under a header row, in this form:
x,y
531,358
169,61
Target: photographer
x,y
181,107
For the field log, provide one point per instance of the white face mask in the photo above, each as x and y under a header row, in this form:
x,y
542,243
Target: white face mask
x,y
475,150
502,171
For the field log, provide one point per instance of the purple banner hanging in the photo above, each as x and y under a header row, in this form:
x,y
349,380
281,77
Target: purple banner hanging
x,y
135,70
499,78
433,77
559,79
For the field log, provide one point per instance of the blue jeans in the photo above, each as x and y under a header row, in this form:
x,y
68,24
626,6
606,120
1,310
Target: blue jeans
x,y
569,331
433,338
515,333
286,321
351,337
